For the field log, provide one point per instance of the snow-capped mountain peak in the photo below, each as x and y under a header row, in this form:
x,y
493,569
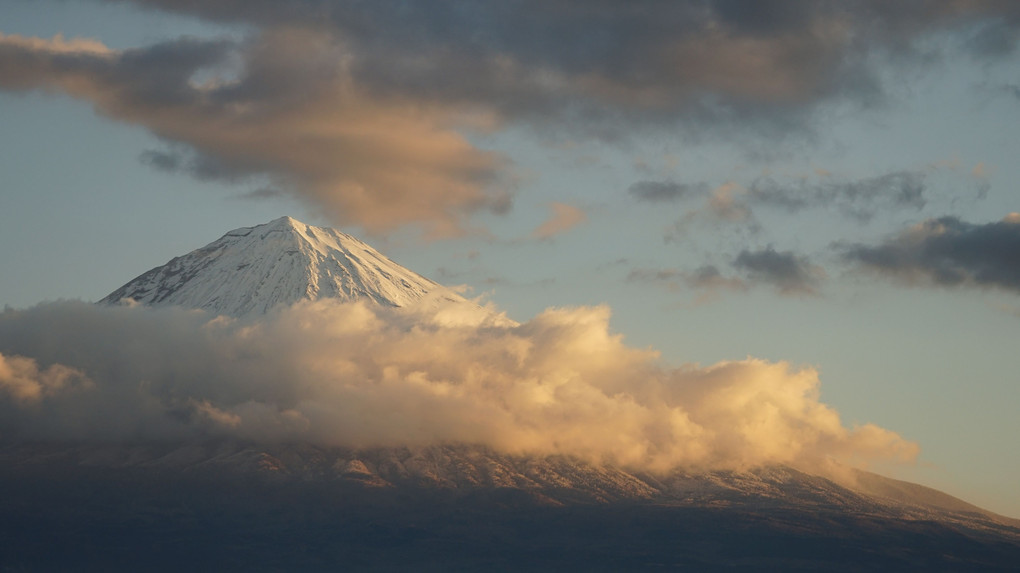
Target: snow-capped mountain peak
x,y
251,270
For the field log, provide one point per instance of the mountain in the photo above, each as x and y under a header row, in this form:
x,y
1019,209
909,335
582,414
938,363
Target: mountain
x,y
227,504
251,270
552,480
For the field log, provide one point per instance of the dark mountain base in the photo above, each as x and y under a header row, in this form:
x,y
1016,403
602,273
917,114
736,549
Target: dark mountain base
x,y
104,519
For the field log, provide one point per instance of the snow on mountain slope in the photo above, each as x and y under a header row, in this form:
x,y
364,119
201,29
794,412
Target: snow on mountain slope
x,y
251,270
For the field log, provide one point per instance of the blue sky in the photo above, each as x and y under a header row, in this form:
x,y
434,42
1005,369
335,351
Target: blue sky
x,y
828,184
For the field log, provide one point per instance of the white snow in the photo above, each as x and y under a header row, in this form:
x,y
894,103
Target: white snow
x,y
251,270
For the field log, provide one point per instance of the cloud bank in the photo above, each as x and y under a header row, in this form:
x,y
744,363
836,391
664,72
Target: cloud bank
x,y
364,110
359,375
604,66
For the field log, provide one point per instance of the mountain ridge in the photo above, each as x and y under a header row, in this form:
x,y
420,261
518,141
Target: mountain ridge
x,y
557,479
262,515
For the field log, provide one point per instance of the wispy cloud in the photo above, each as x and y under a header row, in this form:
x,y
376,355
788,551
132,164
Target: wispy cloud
x,y
707,281
665,191
789,273
859,199
564,217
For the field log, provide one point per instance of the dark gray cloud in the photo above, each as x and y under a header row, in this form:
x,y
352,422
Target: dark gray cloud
x,y
166,161
605,65
947,252
861,199
996,38
789,273
360,108
665,191
180,159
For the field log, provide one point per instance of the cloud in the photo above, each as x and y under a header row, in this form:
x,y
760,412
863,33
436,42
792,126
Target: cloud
x,y
789,273
564,217
724,205
706,278
55,46
859,199
261,193
947,252
365,109
23,380
709,278
605,67
166,161
994,39
665,191
665,276
289,111
358,375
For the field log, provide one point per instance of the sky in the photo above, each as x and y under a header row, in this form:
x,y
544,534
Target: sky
x,y
829,186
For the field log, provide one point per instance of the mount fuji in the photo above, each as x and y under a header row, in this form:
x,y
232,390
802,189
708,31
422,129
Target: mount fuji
x,y
252,270
237,504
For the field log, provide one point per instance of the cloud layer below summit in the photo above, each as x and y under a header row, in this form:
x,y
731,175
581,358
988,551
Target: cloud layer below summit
x,y
360,375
